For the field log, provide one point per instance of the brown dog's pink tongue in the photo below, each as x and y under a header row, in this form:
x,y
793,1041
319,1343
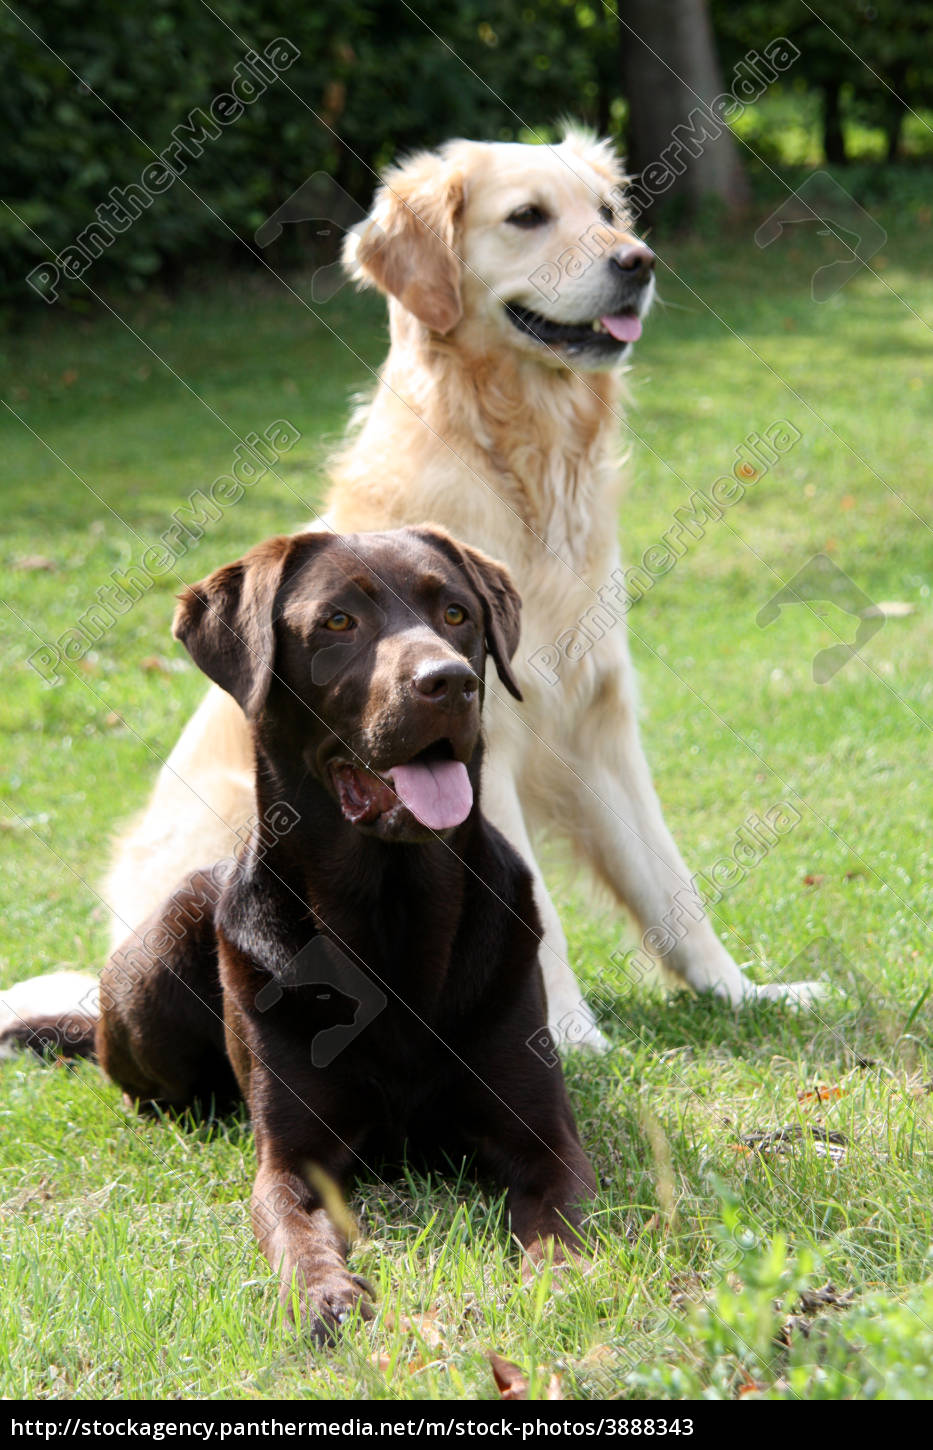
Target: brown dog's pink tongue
x,y
625,328
438,792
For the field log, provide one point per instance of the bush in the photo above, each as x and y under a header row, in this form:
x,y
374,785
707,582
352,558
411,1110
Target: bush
x,y
371,80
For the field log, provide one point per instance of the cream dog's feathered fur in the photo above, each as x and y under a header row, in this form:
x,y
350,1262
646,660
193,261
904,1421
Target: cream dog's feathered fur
x,y
495,415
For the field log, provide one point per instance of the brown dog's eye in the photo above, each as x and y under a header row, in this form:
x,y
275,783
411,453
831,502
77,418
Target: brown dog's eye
x,y
527,217
454,614
340,622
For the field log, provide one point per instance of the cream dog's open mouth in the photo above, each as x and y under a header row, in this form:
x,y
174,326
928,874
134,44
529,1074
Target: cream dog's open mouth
x,y
611,333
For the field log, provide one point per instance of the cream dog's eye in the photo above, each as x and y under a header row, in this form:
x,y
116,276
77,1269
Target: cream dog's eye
x,y
606,214
528,217
454,614
340,622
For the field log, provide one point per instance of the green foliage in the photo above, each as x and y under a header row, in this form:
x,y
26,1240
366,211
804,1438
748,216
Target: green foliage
x,y
92,92
731,1336
874,57
883,1349
751,1334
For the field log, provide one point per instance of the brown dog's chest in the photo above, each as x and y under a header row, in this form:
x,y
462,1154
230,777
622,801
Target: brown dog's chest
x,y
386,1032
382,1063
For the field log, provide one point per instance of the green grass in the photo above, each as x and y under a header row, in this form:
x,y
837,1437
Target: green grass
x,y
129,1268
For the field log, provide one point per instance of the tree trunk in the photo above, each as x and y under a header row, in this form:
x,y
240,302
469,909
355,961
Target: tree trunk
x,y
834,141
670,73
893,131
896,111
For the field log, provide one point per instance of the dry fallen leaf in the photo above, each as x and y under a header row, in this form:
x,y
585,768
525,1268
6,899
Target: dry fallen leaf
x,y
31,563
417,1366
811,880
597,1353
424,1326
512,1384
821,1093
155,663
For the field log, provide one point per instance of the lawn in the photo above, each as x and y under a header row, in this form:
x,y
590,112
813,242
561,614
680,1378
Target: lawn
x,y
792,1267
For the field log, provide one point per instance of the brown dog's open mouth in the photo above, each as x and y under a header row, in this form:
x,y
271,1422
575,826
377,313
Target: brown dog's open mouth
x,y
613,332
433,786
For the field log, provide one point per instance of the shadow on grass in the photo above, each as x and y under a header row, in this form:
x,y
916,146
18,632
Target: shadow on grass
x,y
858,1019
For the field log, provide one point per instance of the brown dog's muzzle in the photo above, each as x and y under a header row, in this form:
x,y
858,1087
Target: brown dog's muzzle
x,y
440,709
422,728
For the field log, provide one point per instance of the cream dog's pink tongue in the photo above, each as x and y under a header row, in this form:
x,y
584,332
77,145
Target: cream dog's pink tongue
x,y
437,792
624,328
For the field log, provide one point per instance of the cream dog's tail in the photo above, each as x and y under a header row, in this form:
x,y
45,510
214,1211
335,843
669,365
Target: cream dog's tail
x,y
58,1011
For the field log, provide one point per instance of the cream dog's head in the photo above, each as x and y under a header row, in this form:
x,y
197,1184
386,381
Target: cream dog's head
x,y
525,247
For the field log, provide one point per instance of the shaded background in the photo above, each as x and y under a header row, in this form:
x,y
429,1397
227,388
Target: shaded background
x,y
374,80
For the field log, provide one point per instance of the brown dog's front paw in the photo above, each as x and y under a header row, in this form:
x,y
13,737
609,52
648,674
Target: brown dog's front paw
x,y
326,1302
536,1255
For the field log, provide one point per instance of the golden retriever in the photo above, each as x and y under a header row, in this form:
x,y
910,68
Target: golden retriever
x,y
515,289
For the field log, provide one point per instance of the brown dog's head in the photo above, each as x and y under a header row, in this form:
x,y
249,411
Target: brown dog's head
x,y
360,659
516,246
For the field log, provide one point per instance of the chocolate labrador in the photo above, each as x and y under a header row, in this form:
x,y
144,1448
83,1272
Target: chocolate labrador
x,y
367,971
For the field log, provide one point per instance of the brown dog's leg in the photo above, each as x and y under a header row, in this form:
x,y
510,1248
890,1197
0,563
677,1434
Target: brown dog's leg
x,y
304,1244
547,1193
160,1033
528,1139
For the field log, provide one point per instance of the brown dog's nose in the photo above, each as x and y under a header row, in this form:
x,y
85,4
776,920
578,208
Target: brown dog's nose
x,y
636,263
445,682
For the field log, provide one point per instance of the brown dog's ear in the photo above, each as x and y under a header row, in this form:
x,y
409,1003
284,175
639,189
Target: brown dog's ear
x,y
226,622
406,247
502,603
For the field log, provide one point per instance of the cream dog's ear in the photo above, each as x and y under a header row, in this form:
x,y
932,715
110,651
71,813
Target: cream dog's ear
x,y
407,245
